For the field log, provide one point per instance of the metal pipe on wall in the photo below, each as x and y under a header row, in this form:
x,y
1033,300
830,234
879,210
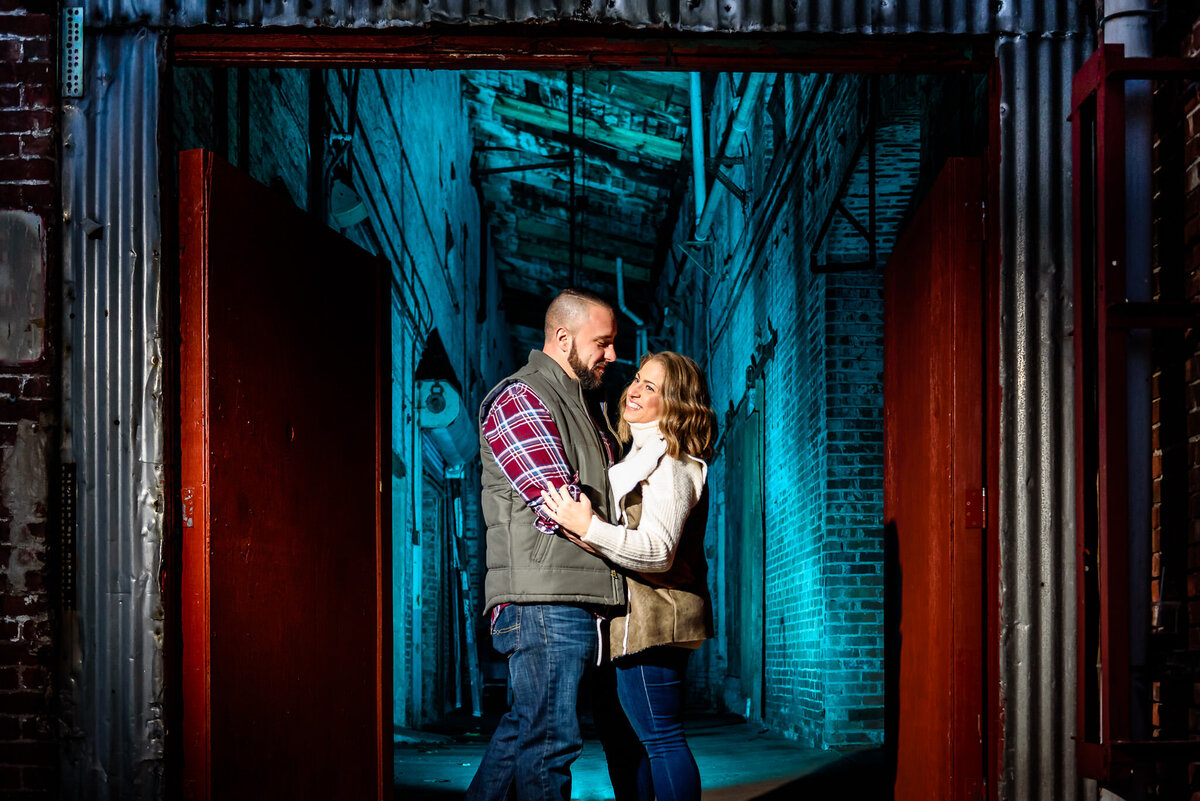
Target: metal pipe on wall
x,y
701,183
641,325
740,124
1127,22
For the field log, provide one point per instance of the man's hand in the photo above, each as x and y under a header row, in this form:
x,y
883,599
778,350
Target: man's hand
x,y
574,516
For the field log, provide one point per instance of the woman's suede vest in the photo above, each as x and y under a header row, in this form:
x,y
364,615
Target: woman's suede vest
x,y
525,565
668,608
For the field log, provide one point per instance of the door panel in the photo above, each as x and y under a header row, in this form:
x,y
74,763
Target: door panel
x,y
933,443
744,561
286,674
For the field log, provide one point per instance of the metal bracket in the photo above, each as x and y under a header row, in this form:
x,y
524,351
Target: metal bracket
x,y
868,140
975,514
763,353
733,188
72,52
692,243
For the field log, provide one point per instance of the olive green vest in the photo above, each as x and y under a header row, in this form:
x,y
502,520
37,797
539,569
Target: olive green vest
x,y
525,565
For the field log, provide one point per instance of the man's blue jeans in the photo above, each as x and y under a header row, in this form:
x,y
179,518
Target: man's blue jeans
x,y
549,646
648,755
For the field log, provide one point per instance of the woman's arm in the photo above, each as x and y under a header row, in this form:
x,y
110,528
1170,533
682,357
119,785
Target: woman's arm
x,y
668,495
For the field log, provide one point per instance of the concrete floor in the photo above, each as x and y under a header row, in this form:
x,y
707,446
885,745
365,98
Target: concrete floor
x,y
737,762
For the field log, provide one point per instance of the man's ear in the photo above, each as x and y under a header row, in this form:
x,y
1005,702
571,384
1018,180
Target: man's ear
x,y
562,338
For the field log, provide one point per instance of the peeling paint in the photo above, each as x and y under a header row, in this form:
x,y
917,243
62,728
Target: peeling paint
x,y
22,287
23,489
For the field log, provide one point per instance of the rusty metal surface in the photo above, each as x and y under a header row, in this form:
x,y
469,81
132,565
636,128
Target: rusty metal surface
x,y
800,16
1037,489
113,421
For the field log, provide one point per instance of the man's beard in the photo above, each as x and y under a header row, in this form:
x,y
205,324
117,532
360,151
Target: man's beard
x,y
589,378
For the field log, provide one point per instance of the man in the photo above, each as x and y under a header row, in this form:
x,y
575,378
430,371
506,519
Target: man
x,y
539,429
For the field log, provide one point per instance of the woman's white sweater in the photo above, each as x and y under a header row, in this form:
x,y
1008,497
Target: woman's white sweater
x,y
670,488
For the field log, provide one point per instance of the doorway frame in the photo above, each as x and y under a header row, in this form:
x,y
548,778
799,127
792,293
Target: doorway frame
x,y
574,45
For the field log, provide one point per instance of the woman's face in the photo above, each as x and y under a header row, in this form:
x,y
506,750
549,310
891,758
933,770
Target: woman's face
x,y
643,399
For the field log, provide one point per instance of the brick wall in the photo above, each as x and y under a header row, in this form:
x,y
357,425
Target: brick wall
x,y
852,558
819,393
1174,586
28,391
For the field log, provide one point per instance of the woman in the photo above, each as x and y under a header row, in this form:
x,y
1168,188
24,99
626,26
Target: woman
x,y
659,540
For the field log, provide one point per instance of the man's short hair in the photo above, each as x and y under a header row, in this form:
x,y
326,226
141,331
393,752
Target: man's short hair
x,y
570,308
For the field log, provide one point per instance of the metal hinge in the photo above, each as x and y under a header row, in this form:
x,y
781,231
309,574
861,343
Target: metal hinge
x,y
66,536
976,511
72,52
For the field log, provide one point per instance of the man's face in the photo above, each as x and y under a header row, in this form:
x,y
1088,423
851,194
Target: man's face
x,y
592,347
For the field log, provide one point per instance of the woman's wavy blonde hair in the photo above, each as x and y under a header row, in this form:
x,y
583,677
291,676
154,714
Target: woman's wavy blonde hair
x,y
687,421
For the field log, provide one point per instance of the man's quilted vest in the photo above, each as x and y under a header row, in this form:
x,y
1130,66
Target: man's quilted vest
x,y
525,565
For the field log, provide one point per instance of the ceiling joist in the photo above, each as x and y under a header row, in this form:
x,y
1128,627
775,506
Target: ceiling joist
x,y
599,132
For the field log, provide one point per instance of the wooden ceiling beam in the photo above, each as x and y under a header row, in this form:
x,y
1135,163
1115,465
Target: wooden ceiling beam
x,y
596,156
601,133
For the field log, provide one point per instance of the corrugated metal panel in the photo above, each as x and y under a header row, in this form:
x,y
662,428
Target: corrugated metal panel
x,y
1037,504
113,418
811,16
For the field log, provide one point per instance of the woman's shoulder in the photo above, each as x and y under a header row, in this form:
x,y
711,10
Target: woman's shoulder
x,y
683,468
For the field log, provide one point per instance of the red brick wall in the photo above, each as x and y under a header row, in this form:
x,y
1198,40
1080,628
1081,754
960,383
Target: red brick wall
x,y
28,183
1175,570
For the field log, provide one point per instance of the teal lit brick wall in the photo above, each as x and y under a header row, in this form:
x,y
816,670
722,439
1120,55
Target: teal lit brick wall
x,y
852,552
412,165
818,394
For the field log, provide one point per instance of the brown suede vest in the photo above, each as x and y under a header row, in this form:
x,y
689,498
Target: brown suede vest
x,y
671,607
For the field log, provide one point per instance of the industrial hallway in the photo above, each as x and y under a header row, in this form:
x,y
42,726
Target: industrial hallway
x,y
738,762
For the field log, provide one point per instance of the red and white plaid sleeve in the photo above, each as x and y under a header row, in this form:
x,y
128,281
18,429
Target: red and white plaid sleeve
x,y
528,447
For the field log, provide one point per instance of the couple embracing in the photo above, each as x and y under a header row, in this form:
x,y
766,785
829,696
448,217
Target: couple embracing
x,y
594,560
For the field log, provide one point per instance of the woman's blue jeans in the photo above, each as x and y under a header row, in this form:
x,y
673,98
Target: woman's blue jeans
x,y
648,755
548,648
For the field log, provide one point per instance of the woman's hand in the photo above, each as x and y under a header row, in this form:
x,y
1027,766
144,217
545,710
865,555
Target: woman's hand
x,y
573,515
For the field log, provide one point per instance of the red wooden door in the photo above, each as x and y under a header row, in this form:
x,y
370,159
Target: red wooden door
x,y
934,473
287,684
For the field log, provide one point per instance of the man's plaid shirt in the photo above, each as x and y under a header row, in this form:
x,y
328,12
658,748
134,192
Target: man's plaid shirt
x,y
529,449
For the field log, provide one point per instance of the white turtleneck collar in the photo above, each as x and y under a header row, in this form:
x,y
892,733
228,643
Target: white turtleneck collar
x,y
649,445
644,432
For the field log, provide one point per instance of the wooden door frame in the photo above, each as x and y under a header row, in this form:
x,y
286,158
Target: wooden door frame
x,y
591,46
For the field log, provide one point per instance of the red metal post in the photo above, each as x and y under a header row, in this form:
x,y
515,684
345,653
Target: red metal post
x,y
1103,318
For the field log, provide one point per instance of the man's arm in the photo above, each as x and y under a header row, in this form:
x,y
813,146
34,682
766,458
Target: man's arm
x,y
528,447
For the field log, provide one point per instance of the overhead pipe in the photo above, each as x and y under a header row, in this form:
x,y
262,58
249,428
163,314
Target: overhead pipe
x,y
747,105
641,326
698,177
1128,22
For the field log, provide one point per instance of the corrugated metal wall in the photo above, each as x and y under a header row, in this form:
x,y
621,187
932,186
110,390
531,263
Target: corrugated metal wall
x,y
113,419
809,16
1037,479
113,409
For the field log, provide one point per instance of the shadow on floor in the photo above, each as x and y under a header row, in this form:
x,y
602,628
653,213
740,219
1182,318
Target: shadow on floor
x,y
860,775
738,762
